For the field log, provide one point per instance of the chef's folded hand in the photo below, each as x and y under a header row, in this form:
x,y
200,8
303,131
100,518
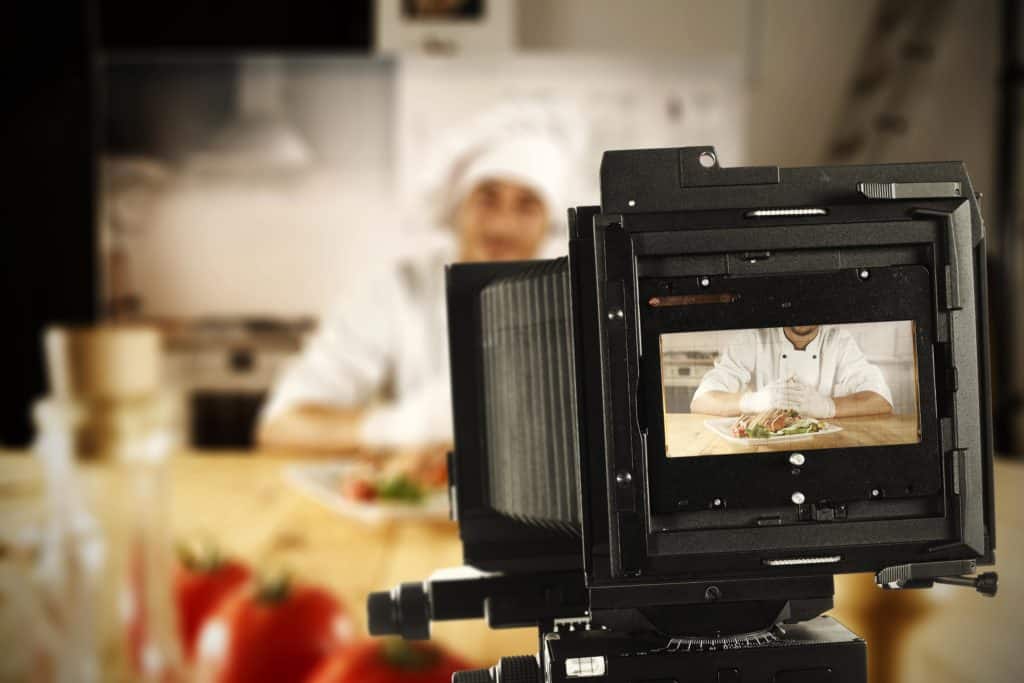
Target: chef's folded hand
x,y
423,418
808,402
778,394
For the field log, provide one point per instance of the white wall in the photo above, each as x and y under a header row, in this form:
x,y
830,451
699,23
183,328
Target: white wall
x,y
797,55
272,243
259,247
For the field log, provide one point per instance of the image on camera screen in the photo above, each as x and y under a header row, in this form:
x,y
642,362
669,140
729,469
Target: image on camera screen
x,y
789,388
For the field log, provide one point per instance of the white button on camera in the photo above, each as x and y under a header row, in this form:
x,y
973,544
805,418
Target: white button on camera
x,y
798,498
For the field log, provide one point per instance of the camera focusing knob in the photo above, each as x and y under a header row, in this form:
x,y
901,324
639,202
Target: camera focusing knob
x,y
474,676
404,611
521,669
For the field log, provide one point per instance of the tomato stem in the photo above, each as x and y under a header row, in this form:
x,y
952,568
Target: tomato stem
x,y
200,556
273,587
407,656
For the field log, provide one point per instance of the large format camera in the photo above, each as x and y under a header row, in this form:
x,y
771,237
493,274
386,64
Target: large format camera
x,y
740,382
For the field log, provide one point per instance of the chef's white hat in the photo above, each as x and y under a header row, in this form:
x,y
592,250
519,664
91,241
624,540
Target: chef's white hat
x,y
533,143
532,160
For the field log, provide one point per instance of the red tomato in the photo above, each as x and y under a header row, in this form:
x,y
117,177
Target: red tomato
x,y
359,490
435,474
275,634
389,661
198,587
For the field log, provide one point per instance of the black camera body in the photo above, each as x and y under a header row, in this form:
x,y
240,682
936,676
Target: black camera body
x,y
638,531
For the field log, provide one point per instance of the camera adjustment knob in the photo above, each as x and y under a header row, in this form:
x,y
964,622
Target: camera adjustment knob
x,y
404,611
382,614
474,676
521,669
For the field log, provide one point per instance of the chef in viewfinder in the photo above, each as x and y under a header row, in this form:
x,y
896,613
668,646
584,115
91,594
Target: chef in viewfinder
x,y
817,370
375,375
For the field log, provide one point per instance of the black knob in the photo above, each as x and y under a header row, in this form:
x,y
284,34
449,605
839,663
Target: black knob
x,y
987,583
474,676
413,611
521,669
382,613
405,611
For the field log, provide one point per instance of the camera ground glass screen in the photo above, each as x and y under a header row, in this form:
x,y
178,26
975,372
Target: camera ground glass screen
x,y
789,388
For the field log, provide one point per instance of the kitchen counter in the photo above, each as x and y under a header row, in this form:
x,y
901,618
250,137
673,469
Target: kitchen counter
x,y
689,430
244,504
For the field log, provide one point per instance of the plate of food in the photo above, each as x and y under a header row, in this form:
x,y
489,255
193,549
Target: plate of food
x,y
769,427
401,488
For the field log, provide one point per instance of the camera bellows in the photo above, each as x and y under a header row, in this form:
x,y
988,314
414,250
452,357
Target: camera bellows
x,y
530,396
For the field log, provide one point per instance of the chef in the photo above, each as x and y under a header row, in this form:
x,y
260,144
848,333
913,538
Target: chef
x,y
375,375
817,370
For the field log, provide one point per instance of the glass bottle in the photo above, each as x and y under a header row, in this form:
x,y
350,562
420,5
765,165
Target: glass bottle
x,y
105,435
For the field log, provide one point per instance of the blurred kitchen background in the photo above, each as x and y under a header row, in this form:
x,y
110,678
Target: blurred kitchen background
x,y
229,170
251,165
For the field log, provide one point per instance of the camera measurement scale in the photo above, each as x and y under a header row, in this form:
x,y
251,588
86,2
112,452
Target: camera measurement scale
x,y
839,391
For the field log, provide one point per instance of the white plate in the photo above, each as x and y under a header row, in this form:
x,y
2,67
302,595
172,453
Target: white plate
x,y
322,482
722,426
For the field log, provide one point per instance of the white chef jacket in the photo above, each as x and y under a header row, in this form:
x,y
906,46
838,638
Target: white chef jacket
x,y
390,341
832,363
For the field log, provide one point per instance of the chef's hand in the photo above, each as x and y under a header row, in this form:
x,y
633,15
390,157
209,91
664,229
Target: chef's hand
x,y
424,417
778,394
809,403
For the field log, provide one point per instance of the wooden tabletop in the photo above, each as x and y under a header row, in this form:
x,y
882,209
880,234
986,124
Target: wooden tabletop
x,y
686,434
244,503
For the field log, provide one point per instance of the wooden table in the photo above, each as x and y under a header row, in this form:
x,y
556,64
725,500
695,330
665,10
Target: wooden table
x,y
244,504
686,435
